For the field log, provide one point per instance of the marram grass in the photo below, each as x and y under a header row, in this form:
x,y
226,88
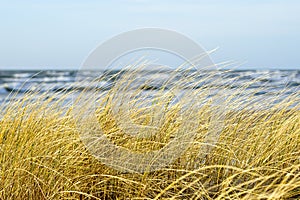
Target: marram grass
x,y
257,155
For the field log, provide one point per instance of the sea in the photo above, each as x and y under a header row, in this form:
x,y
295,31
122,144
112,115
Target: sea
x,y
264,83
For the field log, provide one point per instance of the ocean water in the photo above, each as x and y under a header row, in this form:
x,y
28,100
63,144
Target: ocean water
x,y
262,83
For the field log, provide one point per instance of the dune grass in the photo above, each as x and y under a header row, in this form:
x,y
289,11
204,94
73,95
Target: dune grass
x,y
42,155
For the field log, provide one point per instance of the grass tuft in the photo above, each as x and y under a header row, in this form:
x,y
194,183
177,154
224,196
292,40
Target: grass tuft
x,y
256,156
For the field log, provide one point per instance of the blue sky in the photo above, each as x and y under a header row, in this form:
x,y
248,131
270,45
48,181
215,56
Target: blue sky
x,y
60,34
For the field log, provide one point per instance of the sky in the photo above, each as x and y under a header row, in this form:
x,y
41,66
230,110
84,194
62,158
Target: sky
x,y
60,34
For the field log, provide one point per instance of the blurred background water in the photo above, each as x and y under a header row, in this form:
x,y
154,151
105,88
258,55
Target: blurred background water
x,y
264,83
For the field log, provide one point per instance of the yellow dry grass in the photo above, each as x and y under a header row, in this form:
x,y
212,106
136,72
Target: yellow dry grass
x,y
42,156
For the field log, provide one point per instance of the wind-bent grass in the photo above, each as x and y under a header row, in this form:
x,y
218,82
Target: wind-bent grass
x,y
255,157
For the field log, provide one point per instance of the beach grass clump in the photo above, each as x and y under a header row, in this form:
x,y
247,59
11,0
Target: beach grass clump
x,y
256,154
